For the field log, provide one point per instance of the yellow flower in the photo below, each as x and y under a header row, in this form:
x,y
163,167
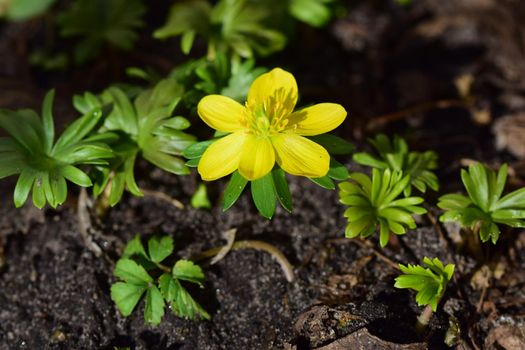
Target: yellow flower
x,y
266,130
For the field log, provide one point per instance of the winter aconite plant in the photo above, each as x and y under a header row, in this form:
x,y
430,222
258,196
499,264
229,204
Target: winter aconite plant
x,y
237,27
430,281
395,155
142,272
264,139
376,202
484,207
44,164
99,22
144,126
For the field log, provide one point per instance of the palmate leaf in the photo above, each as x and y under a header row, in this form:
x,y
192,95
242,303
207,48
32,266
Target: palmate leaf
x,y
144,127
376,202
430,282
484,207
101,22
43,164
395,155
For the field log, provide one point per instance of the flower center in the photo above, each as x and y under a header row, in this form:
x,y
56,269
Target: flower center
x,y
268,118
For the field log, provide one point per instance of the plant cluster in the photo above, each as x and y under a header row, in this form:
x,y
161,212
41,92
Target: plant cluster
x,y
259,137
140,272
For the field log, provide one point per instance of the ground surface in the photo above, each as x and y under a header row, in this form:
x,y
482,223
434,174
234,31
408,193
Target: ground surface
x,y
395,70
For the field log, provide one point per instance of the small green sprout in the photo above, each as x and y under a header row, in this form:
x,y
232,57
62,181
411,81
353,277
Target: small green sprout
x,y
145,127
430,281
484,207
43,164
375,202
230,26
101,22
395,155
140,272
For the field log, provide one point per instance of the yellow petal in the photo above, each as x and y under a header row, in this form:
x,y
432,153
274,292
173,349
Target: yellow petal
x,y
275,86
222,157
258,157
300,156
316,119
221,113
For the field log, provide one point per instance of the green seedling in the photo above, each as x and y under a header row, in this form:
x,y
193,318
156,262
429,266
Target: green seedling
x,y
142,273
376,202
430,282
44,164
96,23
484,207
145,128
395,155
230,26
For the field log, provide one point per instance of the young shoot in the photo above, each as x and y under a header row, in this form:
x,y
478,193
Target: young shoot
x,y
43,163
140,272
485,206
395,155
378,202
430,282
262,140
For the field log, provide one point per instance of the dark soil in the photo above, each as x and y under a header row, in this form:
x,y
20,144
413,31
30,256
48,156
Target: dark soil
x,y
394,69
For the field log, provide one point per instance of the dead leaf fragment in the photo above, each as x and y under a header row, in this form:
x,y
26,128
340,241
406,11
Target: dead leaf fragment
x,y
510,134
508,337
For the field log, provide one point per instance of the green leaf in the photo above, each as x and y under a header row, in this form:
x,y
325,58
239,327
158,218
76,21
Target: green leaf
x,y
281,188
160,248
154,308
23,187
188,271
185,306
337,171
21,10
126,296
324,182
197,149
264,196
200,198
76,176
47,121
135,247
168,287
314,12
333,144
131,272
233,190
